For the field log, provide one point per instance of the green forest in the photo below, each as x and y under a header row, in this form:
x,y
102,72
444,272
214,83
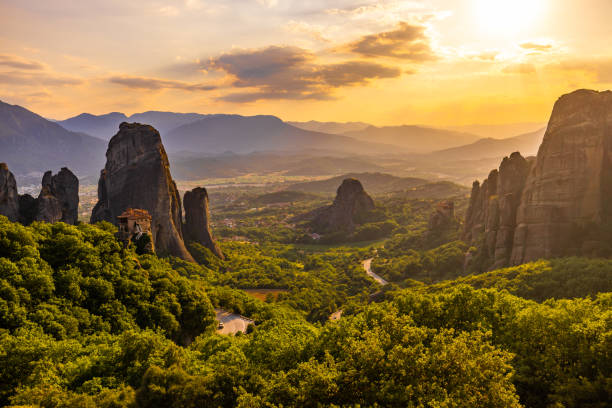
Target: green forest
x,y
85,322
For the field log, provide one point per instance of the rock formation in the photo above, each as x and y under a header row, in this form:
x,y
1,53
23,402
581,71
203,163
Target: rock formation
x,y
491,217
558,204
58,199
197,219
137,175
351,201
9,199
443,216
570,186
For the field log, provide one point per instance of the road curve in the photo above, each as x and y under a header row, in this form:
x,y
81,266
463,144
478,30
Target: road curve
x,y
232,323
367,265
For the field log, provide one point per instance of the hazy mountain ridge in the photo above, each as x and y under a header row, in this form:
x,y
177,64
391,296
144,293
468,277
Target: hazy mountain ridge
x,y
106,126
246,134
415,139
30,144
337,128
527,144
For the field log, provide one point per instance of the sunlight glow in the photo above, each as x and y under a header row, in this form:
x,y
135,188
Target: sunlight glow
x,y
507,17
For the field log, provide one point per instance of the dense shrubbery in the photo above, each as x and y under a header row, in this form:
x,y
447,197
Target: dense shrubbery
x,y
544,279
71,280
84,323
443,262
317,283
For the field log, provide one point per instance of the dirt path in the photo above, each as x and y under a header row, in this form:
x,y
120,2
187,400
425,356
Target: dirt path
x,y
367,265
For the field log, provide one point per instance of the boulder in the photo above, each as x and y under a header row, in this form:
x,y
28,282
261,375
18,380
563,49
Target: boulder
x,y
197,220
137,175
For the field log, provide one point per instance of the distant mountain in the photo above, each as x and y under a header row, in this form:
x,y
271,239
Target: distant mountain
x,y
245,134
414,139
500,131
30,144
527,144
336,128
106,126
165,121
374,183
100,126
233,165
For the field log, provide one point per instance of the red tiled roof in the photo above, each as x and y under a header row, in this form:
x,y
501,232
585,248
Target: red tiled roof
x,y
135,214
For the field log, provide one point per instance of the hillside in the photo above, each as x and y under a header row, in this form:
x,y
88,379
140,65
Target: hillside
x,y
414,139
374,183
246,134
337,128
527,144
186,167
31,144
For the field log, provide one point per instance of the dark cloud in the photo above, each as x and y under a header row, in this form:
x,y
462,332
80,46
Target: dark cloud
x,y
407,42
15,62
293,73
137,82
532,46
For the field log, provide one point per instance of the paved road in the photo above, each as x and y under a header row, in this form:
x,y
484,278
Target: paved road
x,y
232,323
367,265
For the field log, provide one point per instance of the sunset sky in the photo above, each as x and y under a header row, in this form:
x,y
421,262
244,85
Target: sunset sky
x,y
435,62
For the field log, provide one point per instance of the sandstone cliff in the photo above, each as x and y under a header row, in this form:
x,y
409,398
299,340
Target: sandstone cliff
x,y
561,203
9,199
137,175
570,186
197,219
351,201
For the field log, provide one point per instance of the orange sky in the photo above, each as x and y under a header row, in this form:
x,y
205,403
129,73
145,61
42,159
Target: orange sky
x,y
436,62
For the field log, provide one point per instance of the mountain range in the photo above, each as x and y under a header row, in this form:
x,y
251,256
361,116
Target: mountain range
x,y
414,139
229,145
31,145
527,144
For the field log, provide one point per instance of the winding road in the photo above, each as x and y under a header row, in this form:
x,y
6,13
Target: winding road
x,y
232,323
367,265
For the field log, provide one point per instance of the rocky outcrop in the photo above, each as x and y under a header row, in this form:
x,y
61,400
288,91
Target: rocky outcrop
x,y
197,220
58,200
569,191
137,175
559,204
9,199
443,216
350,203
491,216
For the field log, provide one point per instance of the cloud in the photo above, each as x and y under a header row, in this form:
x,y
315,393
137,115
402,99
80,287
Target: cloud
x,y
16,62
137,82
292,73
37,78
600,68
407,42
519,68
538,47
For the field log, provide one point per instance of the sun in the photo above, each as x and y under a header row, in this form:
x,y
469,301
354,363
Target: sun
x,y
507,17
